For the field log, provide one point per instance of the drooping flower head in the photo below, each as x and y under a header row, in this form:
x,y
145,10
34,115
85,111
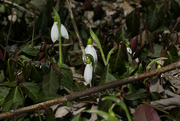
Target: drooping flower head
x,y
55,32
88,71
90,50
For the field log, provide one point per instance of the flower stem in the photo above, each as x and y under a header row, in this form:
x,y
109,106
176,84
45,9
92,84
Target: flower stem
x,y
59,30
7,39
33,29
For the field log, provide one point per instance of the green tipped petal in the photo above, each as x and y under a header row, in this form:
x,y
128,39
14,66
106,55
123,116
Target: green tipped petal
x,y
55,19
88,61
89,42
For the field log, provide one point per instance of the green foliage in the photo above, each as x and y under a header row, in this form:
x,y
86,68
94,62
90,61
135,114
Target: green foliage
x,y
30,74
50,84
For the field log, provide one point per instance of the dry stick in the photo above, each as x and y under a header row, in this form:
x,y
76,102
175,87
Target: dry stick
x,y
90,91
76,29
16,5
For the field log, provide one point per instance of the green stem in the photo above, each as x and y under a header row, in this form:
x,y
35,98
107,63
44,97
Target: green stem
x,y
60,52
8,37
33,29
102,54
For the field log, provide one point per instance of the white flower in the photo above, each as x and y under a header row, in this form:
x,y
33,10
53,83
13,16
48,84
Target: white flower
x,y
129,50
90,50
64,32
88,72
55,33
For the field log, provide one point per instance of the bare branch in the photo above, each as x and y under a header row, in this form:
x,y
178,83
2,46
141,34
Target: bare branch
x,y
76,29
91,91
18,6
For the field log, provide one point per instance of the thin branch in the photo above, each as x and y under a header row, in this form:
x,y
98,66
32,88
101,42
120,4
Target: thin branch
x,y
18,6
76,30
90,91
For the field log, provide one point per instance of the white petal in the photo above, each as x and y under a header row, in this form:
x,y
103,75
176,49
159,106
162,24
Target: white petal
x,y
129,50
54,32
64,32
90,50
88,73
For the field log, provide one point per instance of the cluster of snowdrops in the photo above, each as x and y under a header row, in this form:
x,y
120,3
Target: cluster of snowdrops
x,y
59,30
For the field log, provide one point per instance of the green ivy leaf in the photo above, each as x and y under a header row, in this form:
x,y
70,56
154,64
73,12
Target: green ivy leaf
x,y
3,93
141,93
152,20
32,90
66,77
50,83
13,100
133,23
121,35
116,60
40,4
30,50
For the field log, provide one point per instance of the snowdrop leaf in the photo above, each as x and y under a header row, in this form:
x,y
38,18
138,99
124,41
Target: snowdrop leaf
x,y
103,114
95,38
109,54
155,60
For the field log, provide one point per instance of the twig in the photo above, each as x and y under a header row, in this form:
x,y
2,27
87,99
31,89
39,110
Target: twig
x,y
76,30
16,5
91,91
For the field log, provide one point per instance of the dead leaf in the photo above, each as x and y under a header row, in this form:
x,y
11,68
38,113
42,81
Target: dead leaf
x,y
145,113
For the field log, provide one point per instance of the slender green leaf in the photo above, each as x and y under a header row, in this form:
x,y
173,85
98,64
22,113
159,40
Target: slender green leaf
x,y
109,54
50,83
10,70
94,37
103,115
155,60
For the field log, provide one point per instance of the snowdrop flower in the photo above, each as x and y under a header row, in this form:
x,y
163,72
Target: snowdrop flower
x,y
90,50
88,72
55,32
130,52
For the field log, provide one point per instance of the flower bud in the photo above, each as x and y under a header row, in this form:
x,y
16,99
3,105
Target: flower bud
x,y
88,71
